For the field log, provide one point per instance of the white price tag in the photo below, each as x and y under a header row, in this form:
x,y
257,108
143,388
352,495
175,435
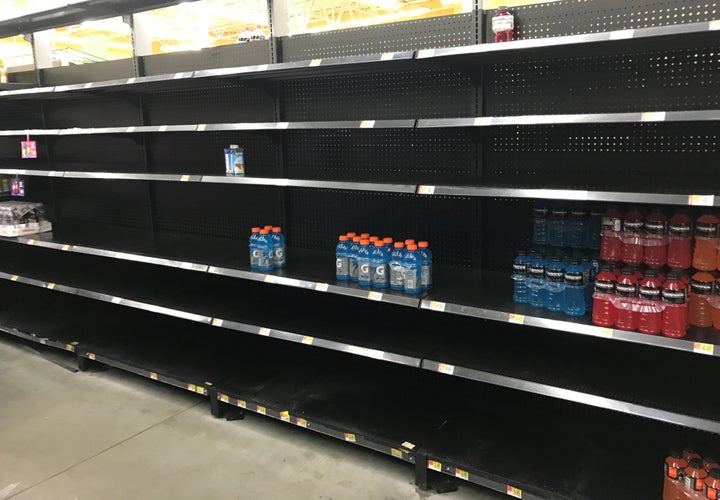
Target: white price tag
x,y
447,369
714,25
88,85
387,56
513,491
217,322
622,35
322,287
201,127
436,306
653,116
367,124
702,348
115,300
701,200
282,125
184,178
163,128
308,340
425,53
130,130
264,332
130,80
483,121
375,296
315,62
426,189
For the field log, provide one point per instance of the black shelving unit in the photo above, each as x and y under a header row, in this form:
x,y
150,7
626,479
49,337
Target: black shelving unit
x,y
415,129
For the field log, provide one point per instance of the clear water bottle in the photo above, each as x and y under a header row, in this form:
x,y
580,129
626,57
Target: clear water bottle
x,y
396,266
540,225
536,280
279,247
426,265
575,289
519,277
253,245
554,298
342,259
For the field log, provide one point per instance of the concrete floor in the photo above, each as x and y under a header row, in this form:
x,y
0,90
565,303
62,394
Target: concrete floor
x,y
111,435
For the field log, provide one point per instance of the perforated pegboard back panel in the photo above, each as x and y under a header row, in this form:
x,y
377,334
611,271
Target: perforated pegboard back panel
x,y
391,155
244,54
446,31
678,79
507,228
203,153
93,72
98,153
110,110
113,203
16,116
573,17
649,157
426,93
217,103
316,218
216,211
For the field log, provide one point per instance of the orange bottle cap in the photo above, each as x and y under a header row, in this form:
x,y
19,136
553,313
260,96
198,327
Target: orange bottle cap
x,y
351,235
423,244
268,228
256,230
399,244
409,242
379,243
364,242
412,247
364,235
387,240
374,238
343,238
277,229
357,239
264,231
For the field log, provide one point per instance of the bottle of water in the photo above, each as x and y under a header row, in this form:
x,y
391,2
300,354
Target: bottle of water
x,y
519,277
266,251
575,288
253,244
363,264
352,258
556,227
536,280
396,266
411,270
540,226
426,265
278,247
554,299
342,259
379,265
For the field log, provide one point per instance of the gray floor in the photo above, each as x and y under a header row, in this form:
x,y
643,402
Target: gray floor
x,y
110,435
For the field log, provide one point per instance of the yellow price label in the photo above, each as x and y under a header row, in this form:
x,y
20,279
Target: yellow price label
x,y
153,375
516,318
184,178
350,437
315,62
483,121
201,127
606,332
51,286
264,332
115,300
322,287
387,56
30,242
434,465
703,348
514,492
224,398
91,356
66,247
43,341
375,296
191,387
217,322
461,474
426,190
130,80
653,116
301,422
14,277
447,369
367,124
163,128
199,389
714,25
408,445
285,416
262,410
241,403
396,453
308,340
701,200
70,347
437,306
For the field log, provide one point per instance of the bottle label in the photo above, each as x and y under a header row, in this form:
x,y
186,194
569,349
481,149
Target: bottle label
x,y
705,230
519,268
711,493
626,289
280,256
674,472
682,230
701,287
694,483
650,293
536,271
674,296
380,274
353,268
342,266
426,275
656,227
410,279
267,259
364,271
612,223
574,278
503,23
254,257
396,274
555,275
605,286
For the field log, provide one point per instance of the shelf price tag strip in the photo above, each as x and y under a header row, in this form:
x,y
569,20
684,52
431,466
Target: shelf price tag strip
x,y
513,491
701,200
702,348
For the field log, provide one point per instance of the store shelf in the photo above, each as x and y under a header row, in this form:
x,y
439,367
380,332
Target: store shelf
x,y
612,42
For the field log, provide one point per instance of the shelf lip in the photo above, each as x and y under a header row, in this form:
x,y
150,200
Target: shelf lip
x,y
132,176
32,173
29,131
570,194
565,326
586,118
570,40
573,396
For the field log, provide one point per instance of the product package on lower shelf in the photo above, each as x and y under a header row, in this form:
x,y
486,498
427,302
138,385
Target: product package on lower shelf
x,y
19,218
